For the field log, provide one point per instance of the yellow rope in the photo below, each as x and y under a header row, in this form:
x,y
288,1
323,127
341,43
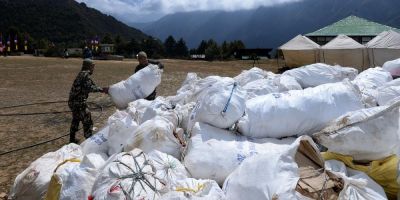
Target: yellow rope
x,y
182,189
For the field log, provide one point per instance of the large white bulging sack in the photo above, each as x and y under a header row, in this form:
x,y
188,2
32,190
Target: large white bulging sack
x,y
297,172
247,76
369,80
188,83
214,153
287,83
385,94
156,134
97,143
393,67
169,170
260,87
220,107
127,175
94,160
72,180
183,113
319,73
137,108
390,91
33,182
298,112
196,90
121,128
113,136
192,189
372,78
367,134
358,185
138,86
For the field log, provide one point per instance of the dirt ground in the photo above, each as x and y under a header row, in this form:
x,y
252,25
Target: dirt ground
x,y
27,80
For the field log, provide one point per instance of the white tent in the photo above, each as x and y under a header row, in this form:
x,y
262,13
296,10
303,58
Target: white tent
x,y
345,51
300,51
384,47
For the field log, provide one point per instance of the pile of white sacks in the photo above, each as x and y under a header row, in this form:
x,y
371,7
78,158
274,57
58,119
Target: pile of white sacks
x,y
230,138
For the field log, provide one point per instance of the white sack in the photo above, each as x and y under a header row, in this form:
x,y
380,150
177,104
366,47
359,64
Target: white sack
x,y
214,153
188,82
183,113
247,76
393,67
372,78
169,170
97,143
155,134
265,176
112,137
138,86
94,160
395,82
117,177
358,185
260,87
367,134
287,83
196,90
33,182
121,128
158,107
320,73
137,108
192,189
76,180
298,112
220,107
386,94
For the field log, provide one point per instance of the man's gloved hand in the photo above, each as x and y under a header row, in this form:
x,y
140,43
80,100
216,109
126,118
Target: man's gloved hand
x,y
105,90
160,66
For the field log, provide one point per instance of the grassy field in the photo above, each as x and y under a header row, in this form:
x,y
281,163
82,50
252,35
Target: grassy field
x,y
29,79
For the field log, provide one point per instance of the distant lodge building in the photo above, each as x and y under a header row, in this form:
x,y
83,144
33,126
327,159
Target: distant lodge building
x,y
359,29
252,54
107,48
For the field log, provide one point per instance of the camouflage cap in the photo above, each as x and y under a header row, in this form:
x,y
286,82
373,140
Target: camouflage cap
x,y
87,63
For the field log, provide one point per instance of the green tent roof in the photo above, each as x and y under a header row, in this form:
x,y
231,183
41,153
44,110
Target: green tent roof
x,y
352,26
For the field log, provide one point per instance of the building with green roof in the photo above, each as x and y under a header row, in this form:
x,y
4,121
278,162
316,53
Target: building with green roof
x,y
361,30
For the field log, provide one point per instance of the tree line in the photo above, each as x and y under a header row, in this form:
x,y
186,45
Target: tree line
x,y
155,48
172,48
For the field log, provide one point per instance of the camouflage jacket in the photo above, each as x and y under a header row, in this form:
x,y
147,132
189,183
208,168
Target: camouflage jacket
x,y
80,90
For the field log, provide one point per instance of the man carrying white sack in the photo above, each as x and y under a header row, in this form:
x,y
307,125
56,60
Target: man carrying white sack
x,y
144,62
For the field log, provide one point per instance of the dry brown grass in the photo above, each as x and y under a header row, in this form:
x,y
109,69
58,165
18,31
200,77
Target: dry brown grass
x,y
30,79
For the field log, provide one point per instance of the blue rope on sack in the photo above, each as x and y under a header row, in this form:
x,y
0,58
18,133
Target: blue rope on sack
x,y
229,100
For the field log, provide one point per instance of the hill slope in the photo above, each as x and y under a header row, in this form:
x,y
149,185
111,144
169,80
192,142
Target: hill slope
x,y
61,20
270,26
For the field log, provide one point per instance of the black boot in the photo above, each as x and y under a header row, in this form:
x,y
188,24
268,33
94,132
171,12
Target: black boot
x,y
72,138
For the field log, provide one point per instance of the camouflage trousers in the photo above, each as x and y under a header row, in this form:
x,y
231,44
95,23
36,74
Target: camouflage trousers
x,y
81,114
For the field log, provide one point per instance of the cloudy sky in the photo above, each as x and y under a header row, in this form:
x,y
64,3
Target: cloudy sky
x,y
150,10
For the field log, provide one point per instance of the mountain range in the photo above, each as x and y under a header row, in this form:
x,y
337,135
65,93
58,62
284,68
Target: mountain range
x,y
269,26
61,21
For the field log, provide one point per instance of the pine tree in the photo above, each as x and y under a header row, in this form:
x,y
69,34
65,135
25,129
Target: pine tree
x,y
170,47
181,48
202,47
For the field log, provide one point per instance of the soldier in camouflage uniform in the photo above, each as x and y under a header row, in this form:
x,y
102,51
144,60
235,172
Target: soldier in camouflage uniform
x,y
82,86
